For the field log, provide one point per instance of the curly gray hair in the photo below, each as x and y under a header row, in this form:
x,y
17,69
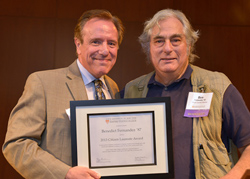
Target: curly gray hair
x,y
191,35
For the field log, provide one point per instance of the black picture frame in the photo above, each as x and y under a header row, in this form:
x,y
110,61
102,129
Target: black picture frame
x,y
161,106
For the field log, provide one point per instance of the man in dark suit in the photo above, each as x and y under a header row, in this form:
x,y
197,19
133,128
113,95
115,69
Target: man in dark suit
x,y
38,139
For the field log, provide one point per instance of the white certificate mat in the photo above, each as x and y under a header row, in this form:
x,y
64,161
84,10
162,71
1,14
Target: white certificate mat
x,y
120,139
125,137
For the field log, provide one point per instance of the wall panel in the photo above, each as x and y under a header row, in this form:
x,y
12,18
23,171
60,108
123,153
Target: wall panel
x,y
64,44
126,10
223,12
28,8
224,49
24,48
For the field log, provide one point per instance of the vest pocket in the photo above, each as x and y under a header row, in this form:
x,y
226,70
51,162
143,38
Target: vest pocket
x,y
217,154
214,160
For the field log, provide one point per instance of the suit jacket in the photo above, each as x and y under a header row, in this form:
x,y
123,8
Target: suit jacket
x,y
38,139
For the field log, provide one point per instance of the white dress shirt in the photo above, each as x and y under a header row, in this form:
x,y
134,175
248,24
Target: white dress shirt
x,y
89,84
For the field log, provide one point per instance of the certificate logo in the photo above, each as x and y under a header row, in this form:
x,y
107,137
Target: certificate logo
x,y
107,121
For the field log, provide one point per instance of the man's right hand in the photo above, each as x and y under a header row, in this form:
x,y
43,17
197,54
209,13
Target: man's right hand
x,y
81,173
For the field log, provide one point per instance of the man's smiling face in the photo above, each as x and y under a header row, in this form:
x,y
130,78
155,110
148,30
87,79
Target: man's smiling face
x,y
98,52
168,48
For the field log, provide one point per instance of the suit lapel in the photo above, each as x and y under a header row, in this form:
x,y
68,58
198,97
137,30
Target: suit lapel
x,y
75,83
112,89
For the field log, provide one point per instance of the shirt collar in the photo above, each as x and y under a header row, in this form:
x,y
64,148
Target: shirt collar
x,y
186,75
87,77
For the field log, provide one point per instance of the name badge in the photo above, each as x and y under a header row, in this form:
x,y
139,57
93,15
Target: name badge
x,y
198,104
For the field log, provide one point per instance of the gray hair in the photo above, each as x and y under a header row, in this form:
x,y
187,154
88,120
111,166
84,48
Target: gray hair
x,y
191,35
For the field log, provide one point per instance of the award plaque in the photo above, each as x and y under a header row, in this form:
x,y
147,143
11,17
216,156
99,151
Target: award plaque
x,y
123,137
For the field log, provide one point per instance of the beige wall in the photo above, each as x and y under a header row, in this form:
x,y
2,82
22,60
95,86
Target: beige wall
x,y
38,35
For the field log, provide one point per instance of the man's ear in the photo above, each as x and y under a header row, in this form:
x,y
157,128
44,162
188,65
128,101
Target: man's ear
x,y
78,44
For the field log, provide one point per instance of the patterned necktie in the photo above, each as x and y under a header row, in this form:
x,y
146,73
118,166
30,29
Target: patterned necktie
x,y
99,95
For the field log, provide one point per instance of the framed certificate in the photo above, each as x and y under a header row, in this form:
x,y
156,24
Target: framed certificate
x,y
123,137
